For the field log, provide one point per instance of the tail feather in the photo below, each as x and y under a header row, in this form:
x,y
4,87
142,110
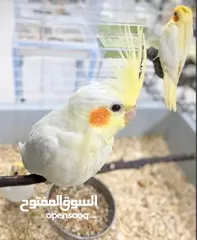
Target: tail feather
x,y
166,97
170,92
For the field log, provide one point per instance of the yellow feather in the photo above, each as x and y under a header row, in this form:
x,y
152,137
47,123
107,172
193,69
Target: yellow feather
x,y
169,92
133,72
19,167
18,164
166,97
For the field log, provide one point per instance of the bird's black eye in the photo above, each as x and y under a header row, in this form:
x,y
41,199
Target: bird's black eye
x,y
175,13
116,107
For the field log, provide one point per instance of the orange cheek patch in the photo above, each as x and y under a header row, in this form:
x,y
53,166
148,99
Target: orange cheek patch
x,y
175,18
99,117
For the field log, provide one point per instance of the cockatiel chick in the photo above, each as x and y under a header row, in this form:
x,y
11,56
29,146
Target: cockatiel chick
x,y
173,49
70,145
17,193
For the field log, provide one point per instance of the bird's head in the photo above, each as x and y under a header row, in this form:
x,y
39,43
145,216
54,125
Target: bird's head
x,y
182,14
108,106
102,108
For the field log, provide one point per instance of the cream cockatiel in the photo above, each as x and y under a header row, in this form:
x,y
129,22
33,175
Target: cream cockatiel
x,y
173,49
70,145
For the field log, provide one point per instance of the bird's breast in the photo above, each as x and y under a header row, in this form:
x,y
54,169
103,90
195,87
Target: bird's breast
x,y
95,160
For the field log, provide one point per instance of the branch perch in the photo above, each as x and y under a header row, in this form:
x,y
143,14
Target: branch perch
x,y
21,180
144,161
8,181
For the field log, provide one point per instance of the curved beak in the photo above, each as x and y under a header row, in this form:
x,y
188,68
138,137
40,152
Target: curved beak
x,y
130,115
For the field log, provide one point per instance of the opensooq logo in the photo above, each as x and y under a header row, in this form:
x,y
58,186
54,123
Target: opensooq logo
x,y
64,203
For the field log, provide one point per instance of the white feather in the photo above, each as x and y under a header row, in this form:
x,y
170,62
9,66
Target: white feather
x,y
20,145
169,51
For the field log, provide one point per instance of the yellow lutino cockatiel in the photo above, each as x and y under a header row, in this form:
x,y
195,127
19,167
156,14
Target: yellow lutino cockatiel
x,y
173,49
70,145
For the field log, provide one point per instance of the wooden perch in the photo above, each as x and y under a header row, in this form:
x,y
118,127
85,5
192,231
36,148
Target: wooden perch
x,y
144,161
6,181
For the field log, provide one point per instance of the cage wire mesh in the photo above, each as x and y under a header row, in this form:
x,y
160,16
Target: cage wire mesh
x,y
59,46
55,48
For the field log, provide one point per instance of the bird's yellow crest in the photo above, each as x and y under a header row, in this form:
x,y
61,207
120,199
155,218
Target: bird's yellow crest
x,y
183,8
133,71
